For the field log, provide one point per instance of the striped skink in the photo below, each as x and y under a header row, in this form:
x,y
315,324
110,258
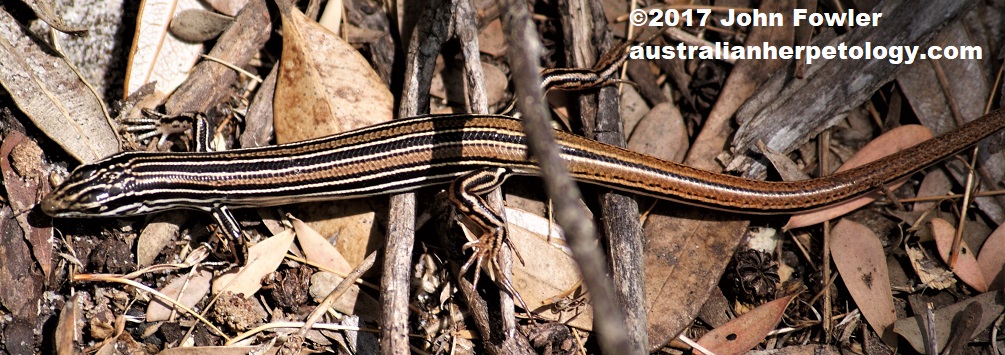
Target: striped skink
x,y
475,152
406,154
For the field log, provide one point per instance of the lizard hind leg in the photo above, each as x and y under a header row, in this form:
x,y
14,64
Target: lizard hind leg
x,y
466,193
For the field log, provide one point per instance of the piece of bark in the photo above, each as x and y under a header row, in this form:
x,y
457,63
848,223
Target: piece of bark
x,y
210,81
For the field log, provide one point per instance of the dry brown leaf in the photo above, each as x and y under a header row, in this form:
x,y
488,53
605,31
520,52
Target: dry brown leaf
x,y
859,258
358,223
893,141
746,331
539,226
548,269
324,86
633,108
157,55
491,39
195,287
162,229
496,83
910,328
685,257
448,83
661,133
992,259
966,267
22,193
52,94
317,249
263,258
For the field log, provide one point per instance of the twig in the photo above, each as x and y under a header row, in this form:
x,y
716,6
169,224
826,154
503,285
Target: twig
x,y
968,187
619,212
523,55
466,27
931,346
427,38
163,297
823,149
